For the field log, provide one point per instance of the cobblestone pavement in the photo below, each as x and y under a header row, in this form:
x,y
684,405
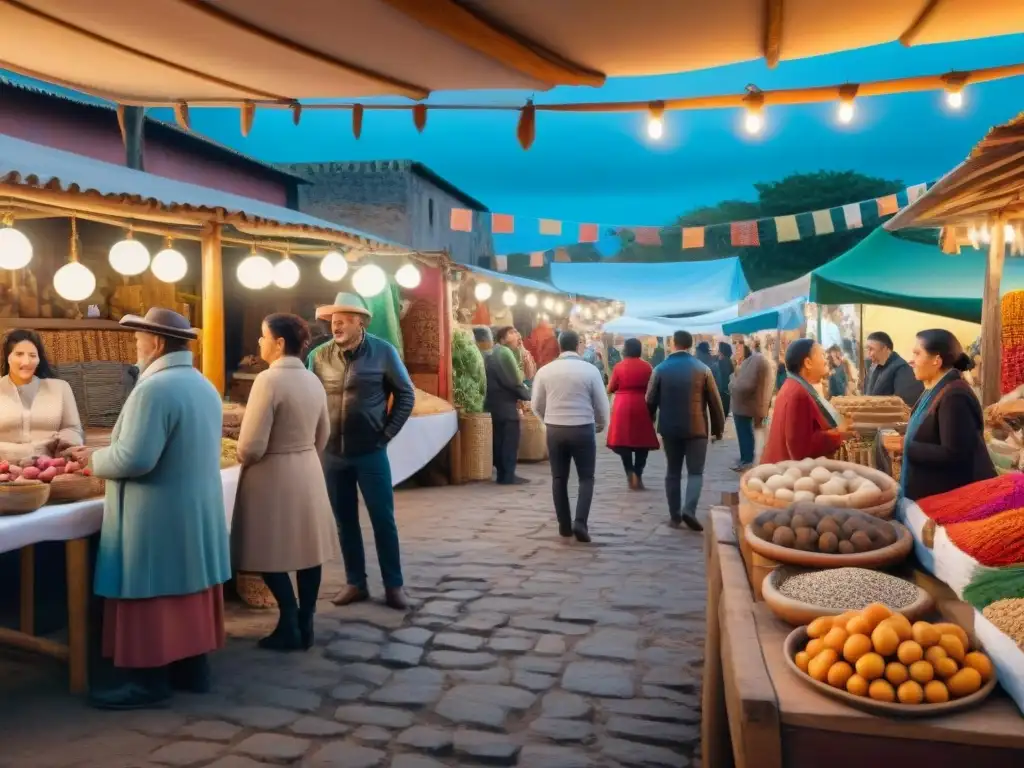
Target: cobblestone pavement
x,y
521,650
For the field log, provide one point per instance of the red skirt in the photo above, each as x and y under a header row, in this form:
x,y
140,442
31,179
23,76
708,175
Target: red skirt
x,y
142,634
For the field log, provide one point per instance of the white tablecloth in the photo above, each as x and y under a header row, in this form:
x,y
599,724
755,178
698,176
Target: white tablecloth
x,y
420,440
61,522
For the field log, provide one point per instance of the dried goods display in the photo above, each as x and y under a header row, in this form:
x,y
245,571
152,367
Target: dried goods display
x,y
42,468
1008,617
813,528
822,481
228,452
879,660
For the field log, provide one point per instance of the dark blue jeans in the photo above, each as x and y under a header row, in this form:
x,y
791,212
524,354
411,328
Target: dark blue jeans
x,y
745,437
369,474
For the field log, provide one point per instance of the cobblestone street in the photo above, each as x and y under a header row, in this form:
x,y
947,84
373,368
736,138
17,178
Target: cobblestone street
x,y
521,650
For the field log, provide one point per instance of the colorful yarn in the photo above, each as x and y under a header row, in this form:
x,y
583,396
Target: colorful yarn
x,y
994,542
977,501
988,586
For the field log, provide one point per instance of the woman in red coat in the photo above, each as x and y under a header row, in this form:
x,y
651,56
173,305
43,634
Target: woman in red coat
x,y
631,434
803,425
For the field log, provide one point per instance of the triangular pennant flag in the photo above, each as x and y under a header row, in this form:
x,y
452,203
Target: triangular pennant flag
x,y
743,234
537,259
462,220
647,236
501,263
823,222
502,224
916,191
588,233
851,213
693,237
887,205
786,229
550,227
562,255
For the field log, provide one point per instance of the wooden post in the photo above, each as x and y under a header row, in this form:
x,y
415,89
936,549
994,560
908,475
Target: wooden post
x,y
79,581
991,315
213,307
862,367
134,136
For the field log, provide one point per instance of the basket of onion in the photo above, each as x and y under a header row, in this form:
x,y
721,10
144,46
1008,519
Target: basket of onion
x,y
67,481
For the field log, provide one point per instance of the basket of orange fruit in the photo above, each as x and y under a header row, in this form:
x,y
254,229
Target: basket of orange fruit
x,y
876,660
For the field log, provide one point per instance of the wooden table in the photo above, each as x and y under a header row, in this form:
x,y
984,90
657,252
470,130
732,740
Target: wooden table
x,y
758,714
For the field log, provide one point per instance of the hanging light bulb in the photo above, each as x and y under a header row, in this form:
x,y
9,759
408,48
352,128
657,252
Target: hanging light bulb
x,y
753,120
286,273
1009,233
168,265
549,303
847,93
530,300
408,276
369,280
509,298
483,291
129,257
255,271
656,120
333,266
15,248
74,281
559,307
955,82
954,99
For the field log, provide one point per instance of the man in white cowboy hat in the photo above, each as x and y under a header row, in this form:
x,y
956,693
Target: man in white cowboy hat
x,y
361,373
164,553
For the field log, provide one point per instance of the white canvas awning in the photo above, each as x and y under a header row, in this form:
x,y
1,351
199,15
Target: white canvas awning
x,y
768,298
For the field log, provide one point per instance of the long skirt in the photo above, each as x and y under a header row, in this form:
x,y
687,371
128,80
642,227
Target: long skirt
x,y
142,634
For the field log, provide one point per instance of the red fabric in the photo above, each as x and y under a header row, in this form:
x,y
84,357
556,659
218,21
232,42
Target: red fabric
x,y
142,634
543,345
798,430
744,234
631,425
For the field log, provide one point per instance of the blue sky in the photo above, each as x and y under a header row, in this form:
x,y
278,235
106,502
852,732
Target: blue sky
x,y
602,168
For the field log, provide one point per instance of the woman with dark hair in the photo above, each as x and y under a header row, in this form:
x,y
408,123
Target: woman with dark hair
x,y
38,414
804,425
631,434
841,373
944,446
283,520
723,371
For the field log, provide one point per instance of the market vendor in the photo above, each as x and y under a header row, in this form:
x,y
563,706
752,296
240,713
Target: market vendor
x,y
804,425
944,447
38,414
889,375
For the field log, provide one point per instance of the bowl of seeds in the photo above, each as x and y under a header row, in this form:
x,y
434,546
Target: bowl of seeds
x,y
798,596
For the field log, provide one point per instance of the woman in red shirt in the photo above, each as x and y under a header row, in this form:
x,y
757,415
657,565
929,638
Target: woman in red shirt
x,y
803,424
631,434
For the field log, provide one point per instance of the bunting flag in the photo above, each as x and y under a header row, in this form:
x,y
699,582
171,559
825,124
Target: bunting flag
x,y
562,255
537,259
502,224
501,263
693,237
647,236
888,205
786,229
823,222
743,234
588,233
550,227
915,192
851,214
462,220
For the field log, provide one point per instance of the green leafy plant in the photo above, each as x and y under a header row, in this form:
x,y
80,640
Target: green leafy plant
x,y
470,380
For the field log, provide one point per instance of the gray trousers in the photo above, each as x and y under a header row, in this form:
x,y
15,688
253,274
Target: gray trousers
x,y
568,446
692,451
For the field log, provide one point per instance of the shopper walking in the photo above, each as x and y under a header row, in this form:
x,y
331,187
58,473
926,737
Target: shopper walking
x,y
569,396
723,370
505,390
283,520
683,395
631,434
751,390
360,372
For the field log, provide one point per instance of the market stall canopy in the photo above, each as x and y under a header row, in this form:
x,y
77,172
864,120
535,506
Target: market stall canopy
x,y
709,323
232,51
787,316
653,289
638,326
776,295
505,277
32,168
887,270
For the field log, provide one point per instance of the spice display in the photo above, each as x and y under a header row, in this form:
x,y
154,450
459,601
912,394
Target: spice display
x,y
812,528
779,485
1008,618
976,501
991,585
879,654
848,588
228,452
995,541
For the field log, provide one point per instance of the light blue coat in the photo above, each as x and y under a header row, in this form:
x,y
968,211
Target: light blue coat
x,y
164,530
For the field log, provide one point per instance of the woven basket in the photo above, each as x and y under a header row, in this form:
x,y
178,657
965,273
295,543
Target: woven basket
x,y
23,497
477,448
68,488
533,440
253,590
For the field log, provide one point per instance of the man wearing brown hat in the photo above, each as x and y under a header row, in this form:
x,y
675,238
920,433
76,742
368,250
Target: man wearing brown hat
x,y
361,374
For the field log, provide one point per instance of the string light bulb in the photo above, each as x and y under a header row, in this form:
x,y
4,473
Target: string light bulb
x,y
955,82
286,273
656,120
509,298
15,248
1009,233
129,257
168,265
559,307
255,271
846,111
483,291
74,281
549,303
408,276
333,266
530,300
753,119
369,280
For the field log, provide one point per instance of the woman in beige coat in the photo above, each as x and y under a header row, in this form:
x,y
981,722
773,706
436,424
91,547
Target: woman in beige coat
x,y
283,520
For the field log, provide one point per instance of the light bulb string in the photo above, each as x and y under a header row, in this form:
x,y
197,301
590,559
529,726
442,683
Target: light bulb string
x,y
73,258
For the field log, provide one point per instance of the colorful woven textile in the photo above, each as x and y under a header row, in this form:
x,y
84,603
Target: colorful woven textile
x,y
995,541
976,501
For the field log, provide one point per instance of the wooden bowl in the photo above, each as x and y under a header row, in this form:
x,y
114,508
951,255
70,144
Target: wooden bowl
x,y
876,558
797,639
883,509
797,613
23,497
65,489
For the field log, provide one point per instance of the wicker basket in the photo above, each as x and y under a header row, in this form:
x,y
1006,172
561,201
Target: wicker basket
x,y
23,497
533,439
253,590
68,488
477,448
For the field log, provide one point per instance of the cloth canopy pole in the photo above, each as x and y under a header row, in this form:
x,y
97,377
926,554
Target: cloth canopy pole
x,y
991,314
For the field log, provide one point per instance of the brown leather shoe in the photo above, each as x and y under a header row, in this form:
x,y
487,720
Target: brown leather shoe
x,y
633,480
395,598
351,594
640,483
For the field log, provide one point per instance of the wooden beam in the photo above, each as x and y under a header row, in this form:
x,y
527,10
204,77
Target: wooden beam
x,y
498,43
213,307
79,587
918,24
773,31
991,315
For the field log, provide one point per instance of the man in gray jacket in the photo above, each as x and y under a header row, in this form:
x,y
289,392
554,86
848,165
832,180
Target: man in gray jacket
x,y
751,390
890,374
681,395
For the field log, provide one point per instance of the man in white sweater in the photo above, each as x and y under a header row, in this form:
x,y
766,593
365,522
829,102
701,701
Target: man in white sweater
x,y
569,397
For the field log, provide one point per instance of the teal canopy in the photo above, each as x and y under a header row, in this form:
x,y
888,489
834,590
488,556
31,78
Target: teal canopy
x,y
785,317
890,271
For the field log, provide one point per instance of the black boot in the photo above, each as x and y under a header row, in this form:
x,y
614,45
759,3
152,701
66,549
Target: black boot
x,y
308,581
286,636
142,689
191,674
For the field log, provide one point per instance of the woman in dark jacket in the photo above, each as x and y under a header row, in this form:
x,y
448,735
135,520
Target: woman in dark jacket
x,y
723,371
944,447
